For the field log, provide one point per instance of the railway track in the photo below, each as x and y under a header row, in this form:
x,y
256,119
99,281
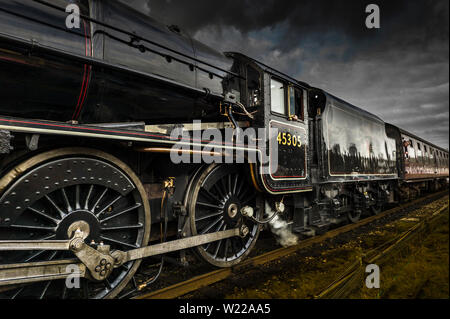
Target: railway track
x,y
197,282
352,277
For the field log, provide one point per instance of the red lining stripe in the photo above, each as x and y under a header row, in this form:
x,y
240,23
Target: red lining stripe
x,y
86,76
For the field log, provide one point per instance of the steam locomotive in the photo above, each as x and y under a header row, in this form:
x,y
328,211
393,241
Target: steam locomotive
x,y
86,175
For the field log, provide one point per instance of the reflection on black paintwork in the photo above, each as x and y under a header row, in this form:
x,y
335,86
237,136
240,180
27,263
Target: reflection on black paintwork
x,y
364,149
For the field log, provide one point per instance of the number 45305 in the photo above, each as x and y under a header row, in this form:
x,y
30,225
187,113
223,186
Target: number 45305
x,y
289,140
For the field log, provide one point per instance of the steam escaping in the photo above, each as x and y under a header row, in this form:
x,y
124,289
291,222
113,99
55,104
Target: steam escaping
x,y
280,228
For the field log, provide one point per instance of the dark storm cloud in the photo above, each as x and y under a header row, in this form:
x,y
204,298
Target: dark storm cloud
x,y
399,72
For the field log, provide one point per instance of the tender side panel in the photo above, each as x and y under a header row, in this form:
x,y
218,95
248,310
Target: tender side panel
x,y
355,145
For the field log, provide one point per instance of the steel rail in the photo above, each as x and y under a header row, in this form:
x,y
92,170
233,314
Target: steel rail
x,y
213,277
346,281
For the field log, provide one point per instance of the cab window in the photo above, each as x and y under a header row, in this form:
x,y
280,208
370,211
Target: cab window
x,y
277,97
253,87
296,104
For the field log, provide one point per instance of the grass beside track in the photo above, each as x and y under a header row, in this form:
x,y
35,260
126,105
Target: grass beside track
x,y
419,270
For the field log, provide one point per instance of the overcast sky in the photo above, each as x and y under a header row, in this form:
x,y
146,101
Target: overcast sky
x,y
399,72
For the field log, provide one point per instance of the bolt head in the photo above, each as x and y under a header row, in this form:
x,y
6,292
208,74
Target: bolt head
x,y
244,231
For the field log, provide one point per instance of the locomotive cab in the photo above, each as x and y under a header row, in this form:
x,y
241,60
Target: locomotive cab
x,y
277,103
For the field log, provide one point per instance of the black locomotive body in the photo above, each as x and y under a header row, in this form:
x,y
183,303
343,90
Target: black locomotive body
x,y
87,120
98,74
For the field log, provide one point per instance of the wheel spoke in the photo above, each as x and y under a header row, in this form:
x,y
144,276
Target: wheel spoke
x,y
223,186
218,190
211,225
118,242
220,241
211,195
49,229
139,226
45,289
40,252
53,255
229,184
208,216
244,193
77,197
126,210
218,228
61,213
54,220
209,205
109,205
235,183
99,199
66,200
64,292
238,192
19,291
227,244
88,197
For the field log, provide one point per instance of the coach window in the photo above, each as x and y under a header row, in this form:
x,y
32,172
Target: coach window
x,y
419,152
277,98
411,150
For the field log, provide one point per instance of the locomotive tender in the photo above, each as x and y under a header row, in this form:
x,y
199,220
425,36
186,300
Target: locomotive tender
x,y
86,118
